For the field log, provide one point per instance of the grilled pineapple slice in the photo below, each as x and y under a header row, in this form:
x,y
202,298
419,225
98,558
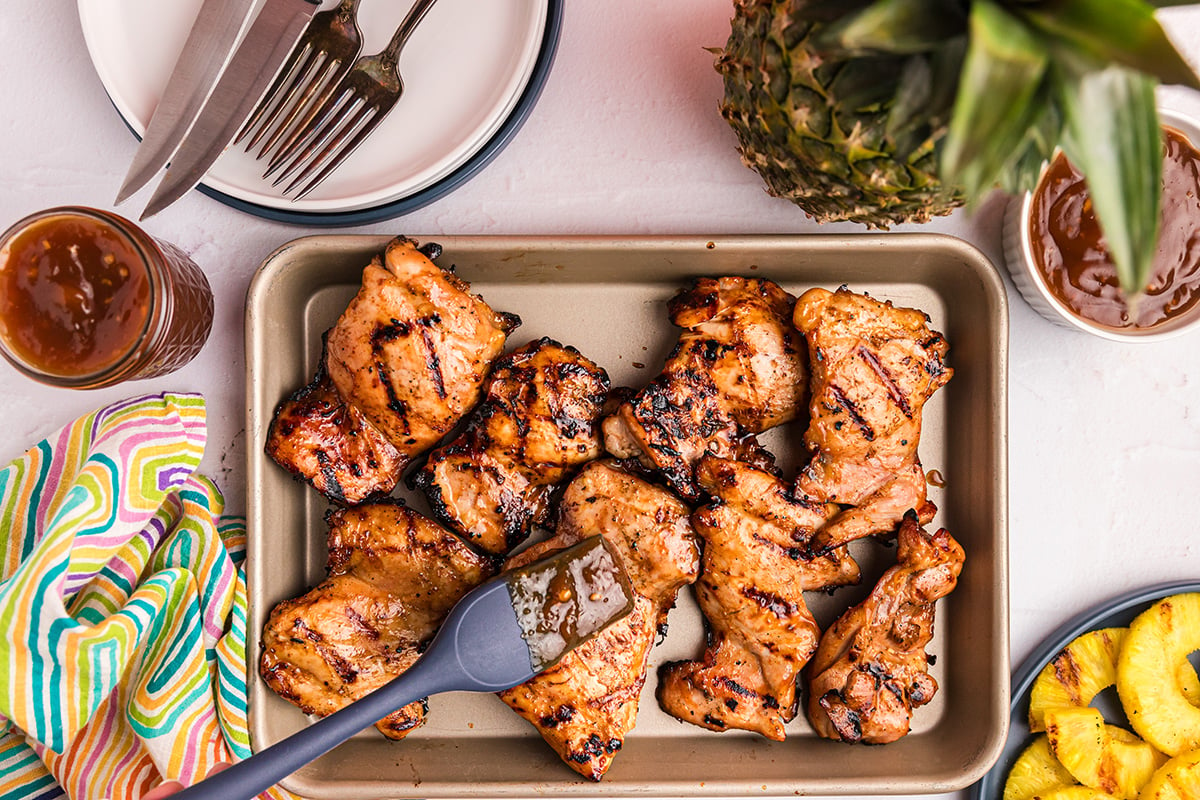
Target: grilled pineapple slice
x,y
1080,671
1178,779
1148,671
1098,755
1036,771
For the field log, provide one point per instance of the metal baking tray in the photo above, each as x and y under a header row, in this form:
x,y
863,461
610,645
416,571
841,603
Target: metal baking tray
x,y
607,296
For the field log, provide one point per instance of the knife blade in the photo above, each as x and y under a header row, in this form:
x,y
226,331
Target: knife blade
x,y
250,71
208,48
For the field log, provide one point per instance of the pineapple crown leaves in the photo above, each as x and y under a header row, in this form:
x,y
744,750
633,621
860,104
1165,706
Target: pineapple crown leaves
x,y
1033,76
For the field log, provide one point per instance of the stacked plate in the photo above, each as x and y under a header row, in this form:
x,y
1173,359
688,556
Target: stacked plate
x,y
472,72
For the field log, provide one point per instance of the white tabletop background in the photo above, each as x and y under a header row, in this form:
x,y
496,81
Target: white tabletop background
x,y
1104,447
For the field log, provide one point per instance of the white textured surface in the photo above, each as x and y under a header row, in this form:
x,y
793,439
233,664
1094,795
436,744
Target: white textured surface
x,y
1105,438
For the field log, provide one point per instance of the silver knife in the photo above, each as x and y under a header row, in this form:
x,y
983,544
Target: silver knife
x,y
208,48
258,58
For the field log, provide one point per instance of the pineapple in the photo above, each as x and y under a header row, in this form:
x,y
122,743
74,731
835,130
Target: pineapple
x,y
1079,672
1189,682
1036,771
1098,755
1178,779
1158,642
891,111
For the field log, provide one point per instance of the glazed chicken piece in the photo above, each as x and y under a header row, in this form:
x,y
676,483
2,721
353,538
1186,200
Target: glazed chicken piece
x,y
586,704
874,366
871,669
407,359
315,434
412,350
539,421
753,575
737,370
393,577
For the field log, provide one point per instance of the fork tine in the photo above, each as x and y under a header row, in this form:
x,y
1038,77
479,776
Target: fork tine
x,y
326,139
273,99
314,126
305,74
331,42
332,160
334,127
320,87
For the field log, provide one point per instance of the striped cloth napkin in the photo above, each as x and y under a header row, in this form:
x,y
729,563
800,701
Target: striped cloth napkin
x,y
122,609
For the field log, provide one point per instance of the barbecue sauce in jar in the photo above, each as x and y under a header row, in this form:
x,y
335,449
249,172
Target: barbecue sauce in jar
x,y
74,295
88,299
1075,265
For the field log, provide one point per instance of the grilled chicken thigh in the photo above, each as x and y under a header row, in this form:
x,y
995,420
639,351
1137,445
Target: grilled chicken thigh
x,y
586,704
753,575
408,357
645,525
539,421
393,577
873,368
316,435
871,669
737,370
413,348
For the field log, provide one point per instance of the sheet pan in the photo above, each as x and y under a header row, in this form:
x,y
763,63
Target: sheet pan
x,y
607,296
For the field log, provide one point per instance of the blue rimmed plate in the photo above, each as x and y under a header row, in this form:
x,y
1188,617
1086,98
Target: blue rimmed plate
x,y
472,74
1117,612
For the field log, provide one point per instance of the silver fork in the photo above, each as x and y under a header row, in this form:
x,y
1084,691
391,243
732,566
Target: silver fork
x,y
332,130
331,43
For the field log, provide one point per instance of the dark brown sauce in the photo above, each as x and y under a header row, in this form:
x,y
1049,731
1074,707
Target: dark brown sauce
x,y
566,599
74,295
1071,255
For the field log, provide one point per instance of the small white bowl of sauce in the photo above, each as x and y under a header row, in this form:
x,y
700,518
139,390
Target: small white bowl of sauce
x,y
1056,255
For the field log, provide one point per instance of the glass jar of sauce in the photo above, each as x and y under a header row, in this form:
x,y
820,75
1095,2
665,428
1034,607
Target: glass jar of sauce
x,y
88,299
1074,263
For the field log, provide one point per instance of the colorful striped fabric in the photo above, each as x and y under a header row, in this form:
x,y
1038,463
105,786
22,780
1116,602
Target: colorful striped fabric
x,y
122,609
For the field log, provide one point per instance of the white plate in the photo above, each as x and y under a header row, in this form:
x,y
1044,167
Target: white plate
x,y
464,70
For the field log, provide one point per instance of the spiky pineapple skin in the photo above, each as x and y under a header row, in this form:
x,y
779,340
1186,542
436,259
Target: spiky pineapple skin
x,y
829,158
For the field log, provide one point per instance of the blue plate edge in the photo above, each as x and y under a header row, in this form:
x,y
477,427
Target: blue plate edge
x,y
991,786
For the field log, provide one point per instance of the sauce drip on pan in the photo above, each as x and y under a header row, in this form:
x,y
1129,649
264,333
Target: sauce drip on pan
x,y
1071,255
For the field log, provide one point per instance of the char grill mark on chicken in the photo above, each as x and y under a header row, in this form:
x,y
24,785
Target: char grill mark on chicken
x,y
407,359
873,367
539,421
755,568
586,704
871,669
393,577
738,369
